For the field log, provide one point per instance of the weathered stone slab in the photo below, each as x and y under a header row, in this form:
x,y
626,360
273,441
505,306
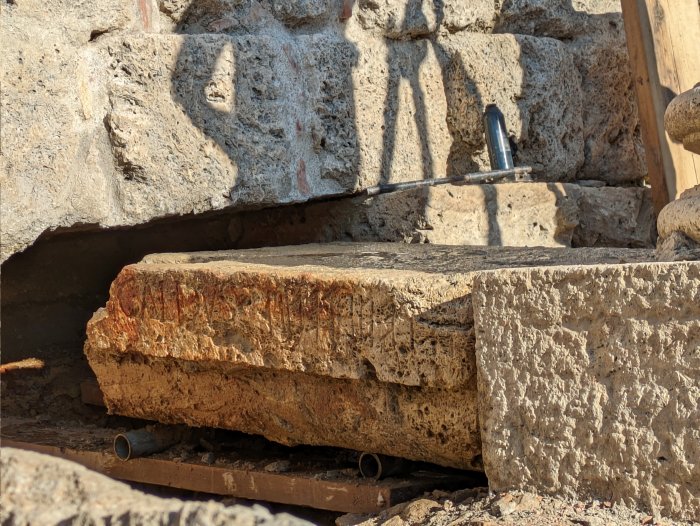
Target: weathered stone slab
x,y
425,424
509,214
399,312
291,328
589,382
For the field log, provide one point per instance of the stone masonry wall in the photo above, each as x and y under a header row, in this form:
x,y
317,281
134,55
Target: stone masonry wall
x,y
115,113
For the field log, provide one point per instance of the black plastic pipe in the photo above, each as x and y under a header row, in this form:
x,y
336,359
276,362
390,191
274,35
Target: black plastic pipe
x,y
500,154
146,441
373,466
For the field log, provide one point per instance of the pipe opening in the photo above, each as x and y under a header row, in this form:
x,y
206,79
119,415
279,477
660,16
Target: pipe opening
x,y
122,447
370,466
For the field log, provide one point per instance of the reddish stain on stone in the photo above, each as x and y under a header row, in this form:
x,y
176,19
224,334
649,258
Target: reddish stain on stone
x,y
299,127
288,51
302,183
346,12
145,12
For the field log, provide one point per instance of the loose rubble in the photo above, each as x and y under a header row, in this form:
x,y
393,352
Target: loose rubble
x,y
476,507
37,489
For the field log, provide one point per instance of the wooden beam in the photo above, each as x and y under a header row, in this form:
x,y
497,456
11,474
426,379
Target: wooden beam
x,y
315,487
662,39
272,487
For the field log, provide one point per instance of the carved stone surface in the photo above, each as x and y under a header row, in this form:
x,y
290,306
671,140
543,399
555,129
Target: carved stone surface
x,y
351,345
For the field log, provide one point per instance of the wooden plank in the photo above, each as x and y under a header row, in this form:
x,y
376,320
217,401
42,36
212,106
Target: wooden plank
x,y
313,487
272,487
662,39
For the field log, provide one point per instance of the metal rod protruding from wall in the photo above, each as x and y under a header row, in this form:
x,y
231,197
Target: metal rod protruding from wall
x,y
500,154
521,173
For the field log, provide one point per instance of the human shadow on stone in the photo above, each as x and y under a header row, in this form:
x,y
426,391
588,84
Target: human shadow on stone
x,y
404,60
254,87
464,107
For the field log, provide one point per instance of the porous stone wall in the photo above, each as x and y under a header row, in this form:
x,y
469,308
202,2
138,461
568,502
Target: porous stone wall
x,y
115,113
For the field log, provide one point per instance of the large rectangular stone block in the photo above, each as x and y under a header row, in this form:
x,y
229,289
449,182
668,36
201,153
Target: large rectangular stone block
x,y
259,340
589,382
508,214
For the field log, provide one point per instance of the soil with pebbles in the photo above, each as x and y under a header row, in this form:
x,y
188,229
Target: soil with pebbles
x,y
476,507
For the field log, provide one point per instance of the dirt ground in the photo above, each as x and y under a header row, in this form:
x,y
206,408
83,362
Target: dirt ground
x,y
476,507
38,489
41,490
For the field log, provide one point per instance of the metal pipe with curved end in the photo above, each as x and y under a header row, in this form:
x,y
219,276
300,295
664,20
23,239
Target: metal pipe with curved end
x,y
374,466
146,441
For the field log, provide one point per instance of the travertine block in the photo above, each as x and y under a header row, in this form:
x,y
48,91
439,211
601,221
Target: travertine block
x,y
508,214
682,119
292,408
589,382
352,345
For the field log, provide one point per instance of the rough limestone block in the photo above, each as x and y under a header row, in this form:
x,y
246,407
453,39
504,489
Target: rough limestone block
x,y
612,143
55,164
682,215
593,31
400,110
508,214
432,94
397,19
534,83
589,382
553,18
240,119
477,16
297,12
615,216
682,119
351,345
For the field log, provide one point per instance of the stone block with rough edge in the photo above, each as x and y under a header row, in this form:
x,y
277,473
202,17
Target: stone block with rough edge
x,y
682,215
589,382
682,119
119,113
508,214
350,345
